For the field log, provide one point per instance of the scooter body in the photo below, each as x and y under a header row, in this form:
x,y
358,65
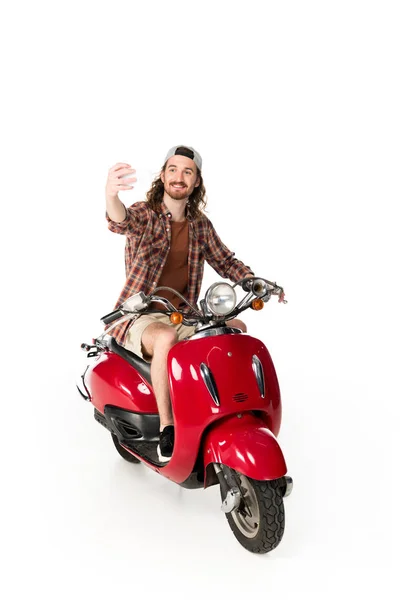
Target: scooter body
x,y
234,419
227,414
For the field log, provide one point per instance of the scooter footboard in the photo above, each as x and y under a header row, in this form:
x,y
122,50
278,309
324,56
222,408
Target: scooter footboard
x,y
245,444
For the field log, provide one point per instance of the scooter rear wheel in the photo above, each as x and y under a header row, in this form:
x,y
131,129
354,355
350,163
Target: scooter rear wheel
x,y
259,522
124,453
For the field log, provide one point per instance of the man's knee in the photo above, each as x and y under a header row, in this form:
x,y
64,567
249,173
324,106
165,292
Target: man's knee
x,y
237,323
158,338
164,338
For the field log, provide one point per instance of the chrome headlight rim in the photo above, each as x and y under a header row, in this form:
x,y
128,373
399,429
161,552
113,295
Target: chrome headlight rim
x,y
211,293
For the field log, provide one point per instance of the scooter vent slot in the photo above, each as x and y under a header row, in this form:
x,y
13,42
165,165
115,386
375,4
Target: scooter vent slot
x,y
129,431
240,397
126,429
100,418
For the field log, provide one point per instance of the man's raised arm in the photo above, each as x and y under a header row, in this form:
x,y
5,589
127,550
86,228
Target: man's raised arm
x,y
116,183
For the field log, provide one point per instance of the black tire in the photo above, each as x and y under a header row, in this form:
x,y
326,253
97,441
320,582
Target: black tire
x,y
263,531
124,453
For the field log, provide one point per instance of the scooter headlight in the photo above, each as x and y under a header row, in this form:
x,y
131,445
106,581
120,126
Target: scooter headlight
x,y
220,299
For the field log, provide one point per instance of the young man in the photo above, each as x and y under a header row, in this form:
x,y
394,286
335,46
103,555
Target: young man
x,y
168,237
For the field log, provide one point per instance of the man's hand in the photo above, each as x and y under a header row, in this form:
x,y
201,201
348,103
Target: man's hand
x,y
118,180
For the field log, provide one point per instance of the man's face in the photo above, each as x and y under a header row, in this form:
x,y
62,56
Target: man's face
x,y
180,177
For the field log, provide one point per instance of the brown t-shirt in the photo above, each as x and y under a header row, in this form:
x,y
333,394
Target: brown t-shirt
x,y
175,271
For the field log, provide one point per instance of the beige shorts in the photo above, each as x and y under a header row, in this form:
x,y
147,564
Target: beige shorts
x,y
133,341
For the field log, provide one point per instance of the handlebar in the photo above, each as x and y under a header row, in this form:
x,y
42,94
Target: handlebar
x,y
112,316
256,287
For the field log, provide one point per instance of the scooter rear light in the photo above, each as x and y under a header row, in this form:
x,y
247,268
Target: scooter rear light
x,y
176,318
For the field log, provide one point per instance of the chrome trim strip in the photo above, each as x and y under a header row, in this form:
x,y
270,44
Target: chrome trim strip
x,y
259,374
214,331
210,384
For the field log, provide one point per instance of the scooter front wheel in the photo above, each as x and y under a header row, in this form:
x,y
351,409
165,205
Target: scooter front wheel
x,y
124,453
259,522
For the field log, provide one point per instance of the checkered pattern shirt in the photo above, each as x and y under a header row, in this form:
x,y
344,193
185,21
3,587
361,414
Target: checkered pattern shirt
x,y
148,239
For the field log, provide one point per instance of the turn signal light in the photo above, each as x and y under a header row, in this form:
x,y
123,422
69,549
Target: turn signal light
x,y
257,304
176,318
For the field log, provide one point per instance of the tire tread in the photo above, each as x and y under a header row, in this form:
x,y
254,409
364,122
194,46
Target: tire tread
x,y
272,518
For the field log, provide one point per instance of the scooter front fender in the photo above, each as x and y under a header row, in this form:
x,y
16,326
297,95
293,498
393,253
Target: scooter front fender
x,y
246,445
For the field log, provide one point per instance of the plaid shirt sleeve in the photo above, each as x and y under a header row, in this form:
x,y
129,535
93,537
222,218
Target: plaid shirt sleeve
x,y
222,259
131,225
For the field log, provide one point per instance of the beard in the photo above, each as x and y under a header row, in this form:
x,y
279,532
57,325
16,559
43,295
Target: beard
x,y
178,194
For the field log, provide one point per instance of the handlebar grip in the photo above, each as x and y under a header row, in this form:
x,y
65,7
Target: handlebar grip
x,y
112,316
247,285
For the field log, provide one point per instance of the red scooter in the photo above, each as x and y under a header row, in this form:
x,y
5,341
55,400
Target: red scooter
x,y
226,404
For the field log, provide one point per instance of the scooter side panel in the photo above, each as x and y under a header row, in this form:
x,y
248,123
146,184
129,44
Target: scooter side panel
x,y
245,445
229,357
111,380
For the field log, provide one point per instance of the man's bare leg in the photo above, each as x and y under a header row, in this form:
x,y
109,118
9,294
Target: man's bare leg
x,y
157,341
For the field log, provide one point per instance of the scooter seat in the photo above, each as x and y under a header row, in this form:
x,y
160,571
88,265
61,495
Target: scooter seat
x,y
133,359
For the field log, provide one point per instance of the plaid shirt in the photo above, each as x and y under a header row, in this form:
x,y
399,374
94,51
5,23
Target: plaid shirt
x,y
148,240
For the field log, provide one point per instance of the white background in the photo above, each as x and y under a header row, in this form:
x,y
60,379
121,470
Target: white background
x,y
294,108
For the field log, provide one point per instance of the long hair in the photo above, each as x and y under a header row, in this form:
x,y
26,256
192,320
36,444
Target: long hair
x,y
196,203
